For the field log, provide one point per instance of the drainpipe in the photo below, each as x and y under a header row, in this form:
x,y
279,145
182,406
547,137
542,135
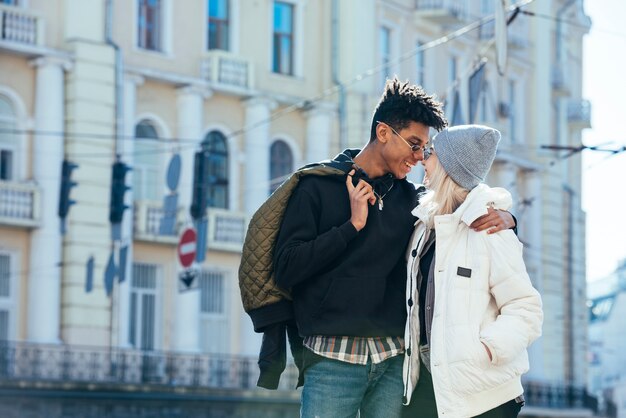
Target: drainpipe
x,y
571,295
560,67
559,29
343,140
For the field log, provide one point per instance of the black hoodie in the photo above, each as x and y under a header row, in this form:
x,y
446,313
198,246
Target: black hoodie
x,y
344,282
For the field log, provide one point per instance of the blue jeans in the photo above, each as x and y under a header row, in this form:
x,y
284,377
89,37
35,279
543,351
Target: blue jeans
x,y
335,389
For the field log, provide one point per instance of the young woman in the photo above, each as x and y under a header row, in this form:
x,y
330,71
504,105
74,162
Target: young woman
x,y
472,310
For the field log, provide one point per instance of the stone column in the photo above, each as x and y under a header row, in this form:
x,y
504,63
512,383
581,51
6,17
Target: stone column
x,y
256,187
127,148
44,282
506,176
190,109
257,152
318,135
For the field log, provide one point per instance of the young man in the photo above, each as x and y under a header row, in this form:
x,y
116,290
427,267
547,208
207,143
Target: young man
x,y
340,253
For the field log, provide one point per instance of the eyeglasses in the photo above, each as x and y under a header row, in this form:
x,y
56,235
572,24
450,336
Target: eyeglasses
x,y
428,151
414,147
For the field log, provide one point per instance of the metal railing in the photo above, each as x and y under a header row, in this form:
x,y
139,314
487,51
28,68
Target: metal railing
x,y
20,25
21,361
445,10
227,229
19,204
148,216
227,69
33,362
558,396
147,220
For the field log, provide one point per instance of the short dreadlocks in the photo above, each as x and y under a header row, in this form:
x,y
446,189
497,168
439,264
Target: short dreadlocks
x,y
403,102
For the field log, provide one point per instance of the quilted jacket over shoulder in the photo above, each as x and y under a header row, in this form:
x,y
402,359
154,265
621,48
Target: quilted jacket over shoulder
x,y
262,299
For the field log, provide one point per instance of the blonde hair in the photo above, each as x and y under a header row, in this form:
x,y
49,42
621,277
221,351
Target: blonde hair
x,y
443,197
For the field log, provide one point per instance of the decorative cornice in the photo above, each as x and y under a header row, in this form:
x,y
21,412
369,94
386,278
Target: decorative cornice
x,y
320,108
46,60
201,90
270,103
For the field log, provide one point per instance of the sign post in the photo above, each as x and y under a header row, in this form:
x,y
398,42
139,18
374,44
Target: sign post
x,y
186,255
187,247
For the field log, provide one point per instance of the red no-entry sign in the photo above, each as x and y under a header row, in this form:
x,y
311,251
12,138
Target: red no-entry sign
x,y
187,247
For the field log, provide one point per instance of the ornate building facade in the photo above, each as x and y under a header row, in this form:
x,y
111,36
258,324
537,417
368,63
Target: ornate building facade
x,y
263,86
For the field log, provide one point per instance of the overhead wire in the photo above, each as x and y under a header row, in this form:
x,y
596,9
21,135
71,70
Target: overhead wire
x,y
193,142
302,104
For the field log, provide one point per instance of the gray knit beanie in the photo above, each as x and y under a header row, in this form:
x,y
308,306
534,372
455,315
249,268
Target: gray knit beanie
x,y
466,152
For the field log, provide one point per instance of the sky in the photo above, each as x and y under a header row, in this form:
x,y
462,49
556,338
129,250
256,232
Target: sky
x,y
604,179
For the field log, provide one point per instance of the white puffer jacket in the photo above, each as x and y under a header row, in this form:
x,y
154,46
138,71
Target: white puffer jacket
x,y
496,306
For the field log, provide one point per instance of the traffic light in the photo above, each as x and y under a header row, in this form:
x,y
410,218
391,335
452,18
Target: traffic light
x,y
118,189
200,195
66,186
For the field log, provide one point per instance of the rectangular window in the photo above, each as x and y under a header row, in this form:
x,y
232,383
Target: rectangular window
x,y
218,24
143,298
150,24
283,38
6,300
4,325
214,321
512,121
211,292
419,65
281,164
483,104
452,69
6,164
385,52
451,94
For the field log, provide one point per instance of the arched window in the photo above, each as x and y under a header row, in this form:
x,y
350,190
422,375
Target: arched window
x,y
281,163
147,180
215,143
8,139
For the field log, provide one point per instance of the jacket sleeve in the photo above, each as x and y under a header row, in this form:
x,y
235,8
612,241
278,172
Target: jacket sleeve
x,y
520,311
301,250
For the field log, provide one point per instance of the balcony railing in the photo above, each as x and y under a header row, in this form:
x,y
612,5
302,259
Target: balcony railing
x,y
20,361
226,69
20,25
579,113
227,230
32,362
558,396
19,204
147,222
444,12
